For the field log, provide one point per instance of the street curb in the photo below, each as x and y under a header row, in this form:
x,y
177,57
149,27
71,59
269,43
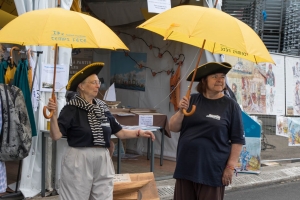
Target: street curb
x,y
268,176
264,178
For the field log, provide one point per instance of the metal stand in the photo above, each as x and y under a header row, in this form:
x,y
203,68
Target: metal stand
x,y
264,142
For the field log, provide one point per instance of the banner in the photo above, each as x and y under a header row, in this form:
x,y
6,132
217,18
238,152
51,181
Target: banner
x,y
254,85
249,159
294,131
292,74
282,126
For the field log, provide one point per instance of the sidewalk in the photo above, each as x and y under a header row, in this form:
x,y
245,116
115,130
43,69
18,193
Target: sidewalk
x,y
273,173
278,172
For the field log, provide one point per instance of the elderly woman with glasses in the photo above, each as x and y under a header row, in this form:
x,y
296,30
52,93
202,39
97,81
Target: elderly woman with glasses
x,y
87,170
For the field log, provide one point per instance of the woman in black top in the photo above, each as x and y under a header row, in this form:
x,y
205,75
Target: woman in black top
x,y
210,140
87,171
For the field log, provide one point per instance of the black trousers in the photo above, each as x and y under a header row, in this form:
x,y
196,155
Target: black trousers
x,y
188,190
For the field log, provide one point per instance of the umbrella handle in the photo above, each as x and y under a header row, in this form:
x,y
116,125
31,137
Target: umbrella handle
x,y
189,113
193,106
51,111
45,113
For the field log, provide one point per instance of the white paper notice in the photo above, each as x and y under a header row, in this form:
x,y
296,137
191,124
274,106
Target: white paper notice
x,y
61,79
122,178
145,120
158,6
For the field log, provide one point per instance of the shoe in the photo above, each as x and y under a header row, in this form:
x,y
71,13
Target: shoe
x,y
8,190
3,194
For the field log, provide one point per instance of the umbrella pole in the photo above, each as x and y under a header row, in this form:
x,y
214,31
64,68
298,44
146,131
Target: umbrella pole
x,y
53,87
188,93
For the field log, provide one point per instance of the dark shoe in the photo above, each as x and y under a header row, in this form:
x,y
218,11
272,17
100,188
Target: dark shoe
x,y
3,194
8,190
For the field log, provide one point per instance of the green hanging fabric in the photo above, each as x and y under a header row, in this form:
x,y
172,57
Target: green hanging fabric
x,y
21,81
3,67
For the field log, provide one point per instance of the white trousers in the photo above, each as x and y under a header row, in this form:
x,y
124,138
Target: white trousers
x,y
86,174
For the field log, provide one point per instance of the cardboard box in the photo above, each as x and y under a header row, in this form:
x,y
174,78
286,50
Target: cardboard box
x,y
142,186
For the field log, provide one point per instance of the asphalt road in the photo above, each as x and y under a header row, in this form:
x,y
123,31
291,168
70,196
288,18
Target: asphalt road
x,y
279,191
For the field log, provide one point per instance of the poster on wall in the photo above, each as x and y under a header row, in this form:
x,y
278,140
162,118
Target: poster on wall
x,y
125,70
294,131
61,82
292,73
254,85
249,159
275,85
248,84
282,126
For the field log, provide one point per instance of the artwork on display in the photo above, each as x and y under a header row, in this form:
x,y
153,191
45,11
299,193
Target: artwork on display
x,y
293,131
61,80
254,85
275,87
125,70
292,75
249,159
282,126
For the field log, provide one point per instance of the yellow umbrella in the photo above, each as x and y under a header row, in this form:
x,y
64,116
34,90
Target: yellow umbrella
x,y
5,18
59,27
210,29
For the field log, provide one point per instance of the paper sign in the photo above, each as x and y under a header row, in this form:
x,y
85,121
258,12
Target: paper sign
x,y
145,120
158,6
61,79
122,178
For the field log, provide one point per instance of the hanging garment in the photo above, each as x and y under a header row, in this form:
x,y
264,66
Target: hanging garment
x,y
9,74
3,178
21,81
15,137
35,92
3,67
175,88
29,75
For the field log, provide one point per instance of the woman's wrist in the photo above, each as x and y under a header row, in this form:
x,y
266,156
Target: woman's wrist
x,y
180,110
138,133
230,167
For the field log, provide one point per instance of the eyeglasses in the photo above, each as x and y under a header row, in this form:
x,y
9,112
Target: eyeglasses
x,y
215,76
95,82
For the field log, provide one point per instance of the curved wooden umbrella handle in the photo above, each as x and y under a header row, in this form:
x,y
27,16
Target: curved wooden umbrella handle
x,y
187,95
11,53
189,113
45,113
51,111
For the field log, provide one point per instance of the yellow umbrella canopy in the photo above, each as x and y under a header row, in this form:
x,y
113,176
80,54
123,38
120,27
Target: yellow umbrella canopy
x,y
65,28
210,29
59,27
223,33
